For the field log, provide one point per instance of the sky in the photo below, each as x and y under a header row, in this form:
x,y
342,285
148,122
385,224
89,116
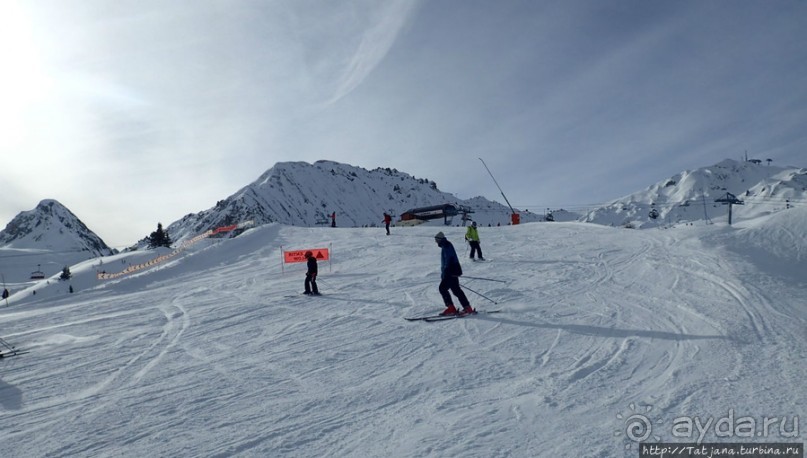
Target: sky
x,y
132,113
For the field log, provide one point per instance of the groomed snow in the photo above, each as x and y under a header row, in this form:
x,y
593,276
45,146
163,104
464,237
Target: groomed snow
x,y
217,354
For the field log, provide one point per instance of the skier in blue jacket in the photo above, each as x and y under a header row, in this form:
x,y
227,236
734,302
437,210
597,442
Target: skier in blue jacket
x,y
450,272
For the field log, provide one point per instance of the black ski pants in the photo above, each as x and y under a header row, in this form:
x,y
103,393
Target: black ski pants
x,y
311,283
475,248
453,284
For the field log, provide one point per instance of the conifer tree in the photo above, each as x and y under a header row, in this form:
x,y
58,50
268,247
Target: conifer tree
x,y
159,238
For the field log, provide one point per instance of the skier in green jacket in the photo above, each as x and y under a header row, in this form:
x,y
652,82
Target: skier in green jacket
x,y
472,237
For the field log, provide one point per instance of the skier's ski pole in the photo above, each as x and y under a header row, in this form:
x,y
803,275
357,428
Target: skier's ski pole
x,y
6,344
486,279
325,284
479,294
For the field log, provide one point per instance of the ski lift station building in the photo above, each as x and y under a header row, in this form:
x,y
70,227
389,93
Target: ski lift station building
x,y
417,215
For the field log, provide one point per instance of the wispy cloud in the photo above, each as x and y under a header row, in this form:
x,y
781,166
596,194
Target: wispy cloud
x,y
376,41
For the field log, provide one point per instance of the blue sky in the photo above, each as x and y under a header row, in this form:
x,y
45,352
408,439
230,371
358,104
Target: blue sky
x,y
137,112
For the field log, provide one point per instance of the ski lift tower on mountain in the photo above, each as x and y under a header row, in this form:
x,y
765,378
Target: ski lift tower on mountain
x,y
466,212
729,200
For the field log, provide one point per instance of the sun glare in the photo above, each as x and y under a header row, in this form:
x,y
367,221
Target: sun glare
x,y
23,81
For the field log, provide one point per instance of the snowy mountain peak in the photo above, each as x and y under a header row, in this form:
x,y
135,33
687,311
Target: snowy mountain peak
x,y
690,195
51,226
303,194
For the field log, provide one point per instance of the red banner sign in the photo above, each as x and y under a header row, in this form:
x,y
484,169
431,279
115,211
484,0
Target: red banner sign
x,y
321,254
221,229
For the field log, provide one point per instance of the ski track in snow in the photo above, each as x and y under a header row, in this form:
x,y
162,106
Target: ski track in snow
x,y
217,355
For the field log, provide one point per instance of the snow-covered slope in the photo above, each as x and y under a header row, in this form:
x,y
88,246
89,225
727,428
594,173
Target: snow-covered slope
x,y
302,194
776,244
216,353
690,195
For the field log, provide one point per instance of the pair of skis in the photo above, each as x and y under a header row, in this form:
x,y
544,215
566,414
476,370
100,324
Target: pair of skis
x,y
10,353
7,350
432,318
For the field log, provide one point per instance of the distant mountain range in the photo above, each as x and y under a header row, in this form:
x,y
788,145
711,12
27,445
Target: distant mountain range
x,y
302,194
51,226
690,195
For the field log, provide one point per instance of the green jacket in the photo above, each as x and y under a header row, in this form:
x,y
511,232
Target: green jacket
x,y
472,234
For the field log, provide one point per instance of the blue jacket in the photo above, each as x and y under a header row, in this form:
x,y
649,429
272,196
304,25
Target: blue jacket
x,y
449,262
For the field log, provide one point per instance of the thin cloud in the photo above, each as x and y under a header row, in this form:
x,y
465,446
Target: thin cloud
x,y
375,43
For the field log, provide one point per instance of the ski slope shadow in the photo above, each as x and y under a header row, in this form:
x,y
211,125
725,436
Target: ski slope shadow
x,y
343,298
10,396
600,331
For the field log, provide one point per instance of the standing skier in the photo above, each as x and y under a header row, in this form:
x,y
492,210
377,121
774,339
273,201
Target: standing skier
x,y
450,271
333,219
387,220
311,275
472,237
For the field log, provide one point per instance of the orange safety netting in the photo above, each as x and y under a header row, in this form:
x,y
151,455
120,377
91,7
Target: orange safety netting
x,y
159,259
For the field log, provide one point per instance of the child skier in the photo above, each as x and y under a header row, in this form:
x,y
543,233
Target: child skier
x,y
311,275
